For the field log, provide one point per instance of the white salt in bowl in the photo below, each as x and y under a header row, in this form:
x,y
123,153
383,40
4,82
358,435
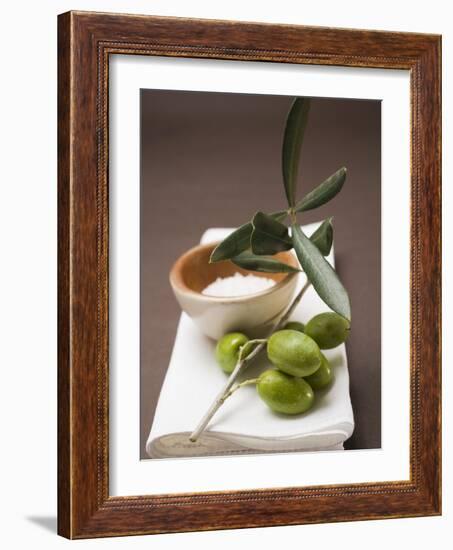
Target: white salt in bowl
x,y
254,314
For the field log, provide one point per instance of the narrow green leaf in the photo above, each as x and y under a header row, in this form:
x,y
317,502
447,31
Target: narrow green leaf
x,y
324,192
296,123
269,236
279,215
239,240
248,260
322,238
321,274
234,244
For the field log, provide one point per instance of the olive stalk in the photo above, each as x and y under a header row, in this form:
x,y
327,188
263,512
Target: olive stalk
x,y
248,382
242,363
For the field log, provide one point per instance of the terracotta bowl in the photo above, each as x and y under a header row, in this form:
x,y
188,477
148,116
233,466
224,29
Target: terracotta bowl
x,y
253,314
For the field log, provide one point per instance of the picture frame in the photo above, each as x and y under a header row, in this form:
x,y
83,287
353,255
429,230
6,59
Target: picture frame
x,y
86,42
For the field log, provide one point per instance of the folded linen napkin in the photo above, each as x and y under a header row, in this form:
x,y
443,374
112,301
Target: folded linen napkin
x,y
244,424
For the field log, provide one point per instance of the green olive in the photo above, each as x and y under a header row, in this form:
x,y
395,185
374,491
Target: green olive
x,y
284,393
322,377
228,349
294,325
294,352
328,330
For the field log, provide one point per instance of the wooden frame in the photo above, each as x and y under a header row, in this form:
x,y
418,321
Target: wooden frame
x,y
85,41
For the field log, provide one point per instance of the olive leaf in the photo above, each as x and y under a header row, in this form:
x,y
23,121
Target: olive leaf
x,y
234,244
296,123
321,274
269,236
238,240
324,192
322,238
248,260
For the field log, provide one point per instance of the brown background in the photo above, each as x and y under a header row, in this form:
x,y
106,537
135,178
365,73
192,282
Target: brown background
x,y
212,160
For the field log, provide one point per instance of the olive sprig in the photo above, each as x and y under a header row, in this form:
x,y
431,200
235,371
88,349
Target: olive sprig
x,y
295,351
253,245
242,363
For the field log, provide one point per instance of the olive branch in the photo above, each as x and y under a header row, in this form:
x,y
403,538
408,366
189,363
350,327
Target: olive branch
x,y
253,245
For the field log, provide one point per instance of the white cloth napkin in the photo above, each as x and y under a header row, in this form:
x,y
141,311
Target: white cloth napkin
x,y
244,424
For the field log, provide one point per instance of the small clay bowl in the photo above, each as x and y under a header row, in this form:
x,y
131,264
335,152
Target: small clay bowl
x,y
253,314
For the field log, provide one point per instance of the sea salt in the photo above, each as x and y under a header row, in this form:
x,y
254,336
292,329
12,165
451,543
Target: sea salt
x,y
238,285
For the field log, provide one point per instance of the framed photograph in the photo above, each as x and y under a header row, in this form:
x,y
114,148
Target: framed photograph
x,y
249,275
